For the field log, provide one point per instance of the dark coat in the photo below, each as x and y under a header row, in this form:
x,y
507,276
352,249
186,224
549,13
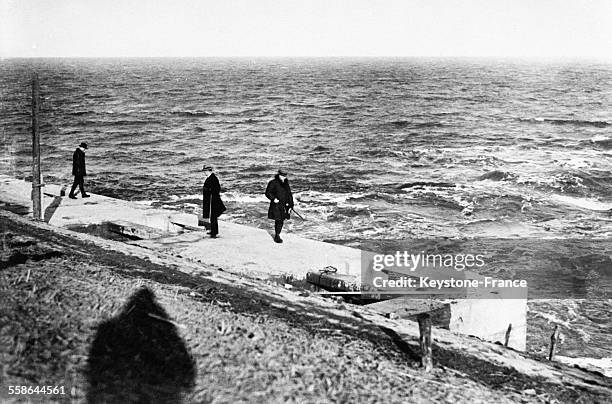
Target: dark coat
x,y
282,192
78,163
212,205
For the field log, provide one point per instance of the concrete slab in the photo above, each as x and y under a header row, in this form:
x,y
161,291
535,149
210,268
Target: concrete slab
x,y
485,318
245,249
239,248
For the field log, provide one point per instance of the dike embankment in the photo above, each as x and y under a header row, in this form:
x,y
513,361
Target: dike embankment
x,y
224,337
250,252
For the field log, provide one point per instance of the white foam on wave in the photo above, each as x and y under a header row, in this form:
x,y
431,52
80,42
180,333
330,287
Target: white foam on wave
x,y
304,197
577,163
454,194
144,203
243,198
599,138
335,198
309,200
536,178
584,203
552,318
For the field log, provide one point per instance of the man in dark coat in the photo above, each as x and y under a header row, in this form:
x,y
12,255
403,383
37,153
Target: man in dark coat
x,y
79,171
212,205
279,193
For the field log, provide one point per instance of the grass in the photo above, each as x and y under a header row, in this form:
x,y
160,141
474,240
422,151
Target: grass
x,y
244,346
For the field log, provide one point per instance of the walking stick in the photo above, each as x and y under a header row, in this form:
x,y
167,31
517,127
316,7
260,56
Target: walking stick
x,y
297,214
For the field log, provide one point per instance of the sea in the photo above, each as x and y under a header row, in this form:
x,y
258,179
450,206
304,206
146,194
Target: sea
x,y
377,149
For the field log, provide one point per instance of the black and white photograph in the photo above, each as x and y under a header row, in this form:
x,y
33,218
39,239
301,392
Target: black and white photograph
x,y
306,201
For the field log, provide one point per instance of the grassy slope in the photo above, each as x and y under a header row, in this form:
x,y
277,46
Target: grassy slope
x,y
246,346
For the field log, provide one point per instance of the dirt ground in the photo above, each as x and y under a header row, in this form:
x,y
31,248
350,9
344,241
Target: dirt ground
x,y
116,328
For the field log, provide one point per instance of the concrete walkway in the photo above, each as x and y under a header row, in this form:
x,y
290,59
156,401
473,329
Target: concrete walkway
x,y
238,249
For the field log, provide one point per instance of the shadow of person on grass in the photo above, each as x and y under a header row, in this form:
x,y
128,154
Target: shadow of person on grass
x,y
138,357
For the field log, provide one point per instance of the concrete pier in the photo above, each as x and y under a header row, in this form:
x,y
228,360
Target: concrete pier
x,y
250,251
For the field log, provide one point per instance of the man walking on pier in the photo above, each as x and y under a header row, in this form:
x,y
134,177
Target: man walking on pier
x,y
79,171
212,205
281,201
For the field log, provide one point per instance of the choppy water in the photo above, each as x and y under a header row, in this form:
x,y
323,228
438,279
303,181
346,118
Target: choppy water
x,y
377,149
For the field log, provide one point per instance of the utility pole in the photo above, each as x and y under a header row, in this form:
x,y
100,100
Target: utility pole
x,y
36,177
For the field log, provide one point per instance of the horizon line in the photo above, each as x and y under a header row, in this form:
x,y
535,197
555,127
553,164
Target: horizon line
x,y
514,57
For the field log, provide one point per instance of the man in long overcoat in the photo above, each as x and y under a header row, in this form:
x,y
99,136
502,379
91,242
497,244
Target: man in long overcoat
x,y
212,205
79,171
279,193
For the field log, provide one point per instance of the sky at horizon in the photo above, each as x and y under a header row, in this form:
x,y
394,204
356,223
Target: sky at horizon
x,y
430,28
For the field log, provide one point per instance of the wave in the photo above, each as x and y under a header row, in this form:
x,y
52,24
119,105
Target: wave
x,y
127,122
347,212
187,113
367,198
320,149
600,138
429,125
189,160
451,97
247,121
340,107
584,203
96,96
575,182
420,184
602,141
241,112
235,123
257,168
496,175
375,152
120,122
243,198
326,198
309,200
571,122
405,124
442,197
300,105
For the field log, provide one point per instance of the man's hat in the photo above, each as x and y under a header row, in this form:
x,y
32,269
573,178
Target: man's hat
x,y
207,167
282,172
83,145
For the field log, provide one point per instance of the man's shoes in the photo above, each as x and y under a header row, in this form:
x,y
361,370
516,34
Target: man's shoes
x,y
85,195
277,239
71,196
213,236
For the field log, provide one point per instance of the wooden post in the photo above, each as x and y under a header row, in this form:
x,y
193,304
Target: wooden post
x,y
36,177
554,338
425,340
508,331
